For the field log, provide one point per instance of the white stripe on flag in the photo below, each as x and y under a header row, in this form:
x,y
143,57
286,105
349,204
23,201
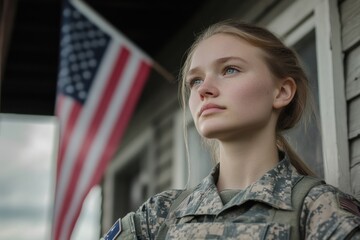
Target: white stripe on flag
x,y
86,115
108,124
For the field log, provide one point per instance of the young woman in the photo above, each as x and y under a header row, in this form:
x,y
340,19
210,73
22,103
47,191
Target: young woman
x,y
243,88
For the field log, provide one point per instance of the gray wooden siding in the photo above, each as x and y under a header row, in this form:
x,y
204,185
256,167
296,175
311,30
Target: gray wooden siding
x,y
350,22
164,152
355,166
350,18
352,73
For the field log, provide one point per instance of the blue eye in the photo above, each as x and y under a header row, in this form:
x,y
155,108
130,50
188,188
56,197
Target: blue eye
x,y
231,70
194,82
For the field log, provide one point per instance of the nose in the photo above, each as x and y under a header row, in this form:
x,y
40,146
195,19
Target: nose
x,y
208,89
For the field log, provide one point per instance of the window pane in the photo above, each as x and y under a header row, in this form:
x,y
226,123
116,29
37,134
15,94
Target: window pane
x,y
200,160
306,137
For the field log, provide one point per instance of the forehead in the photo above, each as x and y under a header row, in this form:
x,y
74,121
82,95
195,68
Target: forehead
x,y
222,46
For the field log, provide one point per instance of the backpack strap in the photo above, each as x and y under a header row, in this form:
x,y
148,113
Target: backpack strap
x,y
164,227
299,191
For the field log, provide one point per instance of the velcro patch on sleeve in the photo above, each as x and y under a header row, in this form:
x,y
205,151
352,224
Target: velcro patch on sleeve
x,y
349,205
114,231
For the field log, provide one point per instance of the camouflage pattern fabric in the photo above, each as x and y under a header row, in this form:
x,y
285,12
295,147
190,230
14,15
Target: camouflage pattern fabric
x,y
327,213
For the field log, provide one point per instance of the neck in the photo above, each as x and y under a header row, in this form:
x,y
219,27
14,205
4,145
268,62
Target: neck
x,y
244,161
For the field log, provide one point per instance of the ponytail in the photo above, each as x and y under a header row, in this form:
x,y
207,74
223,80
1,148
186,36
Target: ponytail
x,y
295,159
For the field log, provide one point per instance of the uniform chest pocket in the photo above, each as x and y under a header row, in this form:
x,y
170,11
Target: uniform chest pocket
x,y
228,230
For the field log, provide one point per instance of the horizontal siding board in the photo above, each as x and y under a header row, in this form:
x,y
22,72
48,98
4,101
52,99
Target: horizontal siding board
x,y
355,152
355,181
350,21
353,88
165,140
354,118
164,179
353,74
164,148
165,159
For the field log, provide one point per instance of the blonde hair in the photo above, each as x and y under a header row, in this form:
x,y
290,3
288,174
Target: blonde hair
x,y
282,62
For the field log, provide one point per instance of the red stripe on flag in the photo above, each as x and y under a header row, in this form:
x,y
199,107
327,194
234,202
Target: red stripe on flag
x,y
119,127
68,129
124,117
119,66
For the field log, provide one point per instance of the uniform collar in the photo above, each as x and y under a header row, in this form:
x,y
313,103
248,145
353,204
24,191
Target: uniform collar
x,y
273,188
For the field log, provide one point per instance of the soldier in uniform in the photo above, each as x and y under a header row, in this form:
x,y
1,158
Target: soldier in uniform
x,y
244,87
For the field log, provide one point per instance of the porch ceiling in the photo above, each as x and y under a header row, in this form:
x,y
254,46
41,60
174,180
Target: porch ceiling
x,y
29,80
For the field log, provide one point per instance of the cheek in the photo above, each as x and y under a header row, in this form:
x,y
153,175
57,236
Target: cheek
x,y
255,93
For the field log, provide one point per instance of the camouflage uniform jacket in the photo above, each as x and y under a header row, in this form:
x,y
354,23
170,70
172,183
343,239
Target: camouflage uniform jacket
x,y
327,213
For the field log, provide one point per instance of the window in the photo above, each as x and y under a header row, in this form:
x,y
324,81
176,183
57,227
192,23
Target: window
x,y
306,137
131,183
129,180
199,160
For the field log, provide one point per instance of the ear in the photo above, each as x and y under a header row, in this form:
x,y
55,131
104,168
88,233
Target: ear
x,y
285,91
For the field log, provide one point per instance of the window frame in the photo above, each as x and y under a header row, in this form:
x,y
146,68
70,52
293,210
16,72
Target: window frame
x,y
323,16
141,143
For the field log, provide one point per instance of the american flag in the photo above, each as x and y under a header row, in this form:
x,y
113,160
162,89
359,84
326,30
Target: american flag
x,y
101,76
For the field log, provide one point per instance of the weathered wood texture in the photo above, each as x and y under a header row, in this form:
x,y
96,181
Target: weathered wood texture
x,y
352,75
355,167
354,118
350,20
163,154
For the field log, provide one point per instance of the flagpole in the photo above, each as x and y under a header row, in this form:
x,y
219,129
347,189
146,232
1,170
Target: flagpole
x,y
163,72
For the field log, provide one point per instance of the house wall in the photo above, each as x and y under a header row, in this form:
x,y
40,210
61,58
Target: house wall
x,y
262,12
350,21
155,128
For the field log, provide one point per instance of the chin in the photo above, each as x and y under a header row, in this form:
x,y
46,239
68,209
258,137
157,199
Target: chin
x,y
212,132
222,132
214,129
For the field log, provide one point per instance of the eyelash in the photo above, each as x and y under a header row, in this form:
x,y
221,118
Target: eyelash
x,y
232,68
190,83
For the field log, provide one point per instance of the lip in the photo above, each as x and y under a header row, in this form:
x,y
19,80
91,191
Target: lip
x,y
210,108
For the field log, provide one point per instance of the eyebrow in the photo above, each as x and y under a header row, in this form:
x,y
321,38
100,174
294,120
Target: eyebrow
x,y
226,59
219,60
